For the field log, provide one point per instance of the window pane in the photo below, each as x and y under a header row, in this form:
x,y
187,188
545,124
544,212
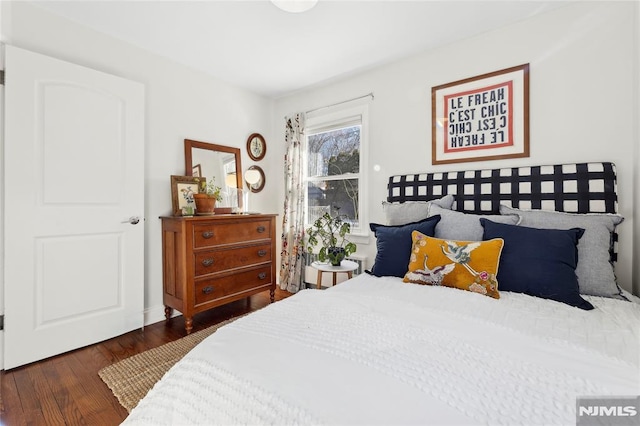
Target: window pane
x,y
335,152
336,197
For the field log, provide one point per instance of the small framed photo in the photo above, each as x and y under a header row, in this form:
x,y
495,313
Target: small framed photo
x,y
481,118
182,190
196,171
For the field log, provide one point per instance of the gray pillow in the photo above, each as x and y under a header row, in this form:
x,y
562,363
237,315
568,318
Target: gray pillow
x,y
595,272
461,226
412,211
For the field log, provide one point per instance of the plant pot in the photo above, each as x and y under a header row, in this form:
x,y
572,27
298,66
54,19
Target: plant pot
x,y
205,205
336,255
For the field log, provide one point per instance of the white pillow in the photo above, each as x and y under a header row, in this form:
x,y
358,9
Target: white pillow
x,y
412,211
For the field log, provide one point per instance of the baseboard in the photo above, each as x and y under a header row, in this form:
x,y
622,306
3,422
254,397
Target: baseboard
x,y
156,314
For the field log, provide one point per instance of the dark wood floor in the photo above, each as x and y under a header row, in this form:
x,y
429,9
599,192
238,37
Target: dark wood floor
x,y
66,389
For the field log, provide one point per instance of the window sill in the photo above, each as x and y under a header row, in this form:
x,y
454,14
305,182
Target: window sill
x,y
359,238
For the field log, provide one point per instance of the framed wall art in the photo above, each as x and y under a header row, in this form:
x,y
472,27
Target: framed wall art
x,y
182,190
256,147
481,118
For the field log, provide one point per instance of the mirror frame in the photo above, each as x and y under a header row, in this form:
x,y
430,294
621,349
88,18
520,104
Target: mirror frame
x,y
188,160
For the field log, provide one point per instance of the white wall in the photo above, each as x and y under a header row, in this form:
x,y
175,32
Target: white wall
x,y
583,86
2,28
636,170
181,103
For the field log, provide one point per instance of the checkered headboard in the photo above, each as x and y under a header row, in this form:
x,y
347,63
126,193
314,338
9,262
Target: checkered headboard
x,y
571,188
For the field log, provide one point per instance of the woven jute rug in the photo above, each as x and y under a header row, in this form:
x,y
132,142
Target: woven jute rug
x,y
131,378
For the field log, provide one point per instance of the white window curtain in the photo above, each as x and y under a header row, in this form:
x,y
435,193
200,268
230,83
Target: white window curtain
x,y
293,217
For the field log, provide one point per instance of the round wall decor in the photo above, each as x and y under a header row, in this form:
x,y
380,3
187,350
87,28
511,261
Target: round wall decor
x,y
256,147
254,176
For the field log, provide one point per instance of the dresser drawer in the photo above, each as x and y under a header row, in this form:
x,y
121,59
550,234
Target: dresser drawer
x,y
216,288
208,234
209,262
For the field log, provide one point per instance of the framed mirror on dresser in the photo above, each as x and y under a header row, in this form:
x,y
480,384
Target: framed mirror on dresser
x,y
220,162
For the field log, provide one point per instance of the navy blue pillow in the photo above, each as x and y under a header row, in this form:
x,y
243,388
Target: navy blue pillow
x,y
538,262
394,245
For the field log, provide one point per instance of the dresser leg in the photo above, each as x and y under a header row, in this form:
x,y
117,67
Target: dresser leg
x,y
168,310
272,295
188,324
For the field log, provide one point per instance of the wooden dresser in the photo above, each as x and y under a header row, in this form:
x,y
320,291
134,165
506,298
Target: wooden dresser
x,y
212,260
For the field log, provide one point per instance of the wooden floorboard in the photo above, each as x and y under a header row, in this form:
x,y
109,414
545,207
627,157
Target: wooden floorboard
x,y
10,401
66,389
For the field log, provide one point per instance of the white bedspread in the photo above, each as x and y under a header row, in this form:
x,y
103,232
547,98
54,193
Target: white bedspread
x,y
378,351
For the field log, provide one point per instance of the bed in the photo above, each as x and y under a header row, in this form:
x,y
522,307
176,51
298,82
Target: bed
x,y
377,349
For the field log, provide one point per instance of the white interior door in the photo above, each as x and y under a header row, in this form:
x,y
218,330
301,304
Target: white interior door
x,y
73,176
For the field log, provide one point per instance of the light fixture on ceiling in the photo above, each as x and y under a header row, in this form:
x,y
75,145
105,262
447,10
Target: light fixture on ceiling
x,y
295,6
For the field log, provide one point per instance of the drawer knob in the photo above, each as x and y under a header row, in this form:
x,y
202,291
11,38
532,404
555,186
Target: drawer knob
x,y
208,289
261,229
262,275
207,234
262,253
207,262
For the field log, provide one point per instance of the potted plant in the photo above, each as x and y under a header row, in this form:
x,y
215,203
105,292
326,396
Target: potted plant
x,y
331,233
208,194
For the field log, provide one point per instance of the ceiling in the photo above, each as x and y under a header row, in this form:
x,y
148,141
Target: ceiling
x,y
253,44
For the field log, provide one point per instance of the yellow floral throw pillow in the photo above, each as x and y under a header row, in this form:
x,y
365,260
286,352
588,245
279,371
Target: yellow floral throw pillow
x,y
467,265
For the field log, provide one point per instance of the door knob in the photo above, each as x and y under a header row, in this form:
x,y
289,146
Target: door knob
x,y
134,220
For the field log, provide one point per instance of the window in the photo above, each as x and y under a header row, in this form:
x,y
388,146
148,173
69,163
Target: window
x,y
335,182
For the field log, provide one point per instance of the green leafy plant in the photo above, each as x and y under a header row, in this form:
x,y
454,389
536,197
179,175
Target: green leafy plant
x,y
331,234
209,188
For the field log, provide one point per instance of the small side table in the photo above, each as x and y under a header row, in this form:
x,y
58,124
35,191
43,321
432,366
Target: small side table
x,y
347,267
